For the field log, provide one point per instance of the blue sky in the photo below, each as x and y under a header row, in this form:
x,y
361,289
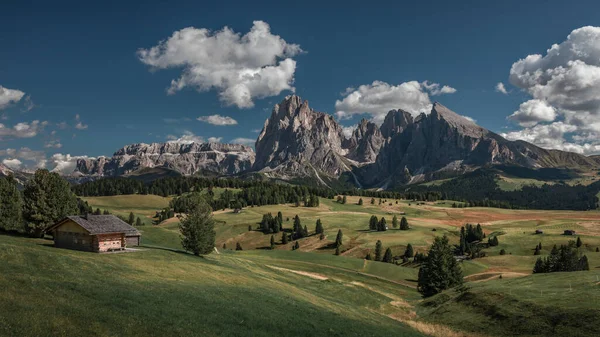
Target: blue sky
x,y
61,60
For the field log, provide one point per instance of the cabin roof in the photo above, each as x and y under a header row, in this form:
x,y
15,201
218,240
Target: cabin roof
x,y
100,224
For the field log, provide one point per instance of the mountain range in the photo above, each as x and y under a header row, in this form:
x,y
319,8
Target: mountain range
x,y
298,143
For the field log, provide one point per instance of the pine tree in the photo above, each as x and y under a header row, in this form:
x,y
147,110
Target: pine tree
x,y
537,251
463,241
338,238
47,198
280,217
404,224
368,257
579,243
238,246
337,250
197,230
440,270
344,200
597,249
540,246
249,228
502,251
11,204
388,257
272,242
106,212
583,263
322,236
395,222
378,250
372,201
138,222
224,245
373,223
382,226
297,245
131,220
319,227
539,266
298,230
284,238
409,251
360,202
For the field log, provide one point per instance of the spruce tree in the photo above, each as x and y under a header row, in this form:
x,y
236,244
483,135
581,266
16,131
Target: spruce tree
x,y
131,219
382,226
284,238
378,250
440,270
298,230
537,251
583,263
502,251
11,204
224,245
198,230
344,200
272,242
597,249
463,241
409,251
368,257
373,223
47,198
319,227
372,201
360,202
238,246
579,243
138,222
539,266
404,224
395,222
338,238
388,257
280,217
322,236
337,250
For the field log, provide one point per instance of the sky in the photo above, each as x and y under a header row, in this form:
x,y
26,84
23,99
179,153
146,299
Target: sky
x,y
83,79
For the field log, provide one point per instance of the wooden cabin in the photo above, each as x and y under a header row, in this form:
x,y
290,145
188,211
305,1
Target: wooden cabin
x,y
94,233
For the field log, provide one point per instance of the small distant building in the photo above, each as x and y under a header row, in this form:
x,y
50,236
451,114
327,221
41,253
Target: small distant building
x,y
539,231
94,233
569,232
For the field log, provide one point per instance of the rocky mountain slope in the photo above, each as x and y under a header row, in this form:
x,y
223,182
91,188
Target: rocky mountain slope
x,y
187,159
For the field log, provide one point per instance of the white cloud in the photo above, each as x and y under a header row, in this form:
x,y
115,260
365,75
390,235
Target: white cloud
x,y
567,80
24,154
532,112
241,68
22,130
348,130
65,163
28,104
55,144
256,130
378,98
501,89
552,136
14,164
188,137
9,96
217,120
215,139
79,125
243,141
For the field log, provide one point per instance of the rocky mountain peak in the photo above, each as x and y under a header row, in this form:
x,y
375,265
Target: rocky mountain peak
x,y
462,124
396,121
365,142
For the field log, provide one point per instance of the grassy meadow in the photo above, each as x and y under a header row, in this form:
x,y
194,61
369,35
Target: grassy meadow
x,y
161,290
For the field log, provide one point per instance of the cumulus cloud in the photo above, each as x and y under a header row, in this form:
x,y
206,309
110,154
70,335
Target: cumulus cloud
x,y
9,96
565,88
240,67
217,120
552,136
501,89
243,141
215,139
54,144
348,130
189,137
14,164
532,112
378,98
22,130
25,154
65,163
79,124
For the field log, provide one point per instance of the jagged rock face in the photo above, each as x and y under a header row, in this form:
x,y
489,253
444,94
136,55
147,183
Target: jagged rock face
x,y
297,141
186,159
396,121
365,142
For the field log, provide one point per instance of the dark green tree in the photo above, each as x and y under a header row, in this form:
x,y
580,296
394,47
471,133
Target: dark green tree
x,y
388,257
395,222
537,251
337,250
198,230
322,236
378,250
338,238
298,229
502,251
404,224
579,243
344,200
368,257
440,270
382,225
138,222
372,201
47,198
409,251
272,242
238,246
360,202
373,223
319,227
131,219
224,245
284,238
11,204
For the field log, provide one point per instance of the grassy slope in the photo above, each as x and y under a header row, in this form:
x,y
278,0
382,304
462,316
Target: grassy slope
x,y
46,291
557,304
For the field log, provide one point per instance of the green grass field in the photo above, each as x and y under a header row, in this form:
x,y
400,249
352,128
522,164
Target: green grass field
x,y
485,301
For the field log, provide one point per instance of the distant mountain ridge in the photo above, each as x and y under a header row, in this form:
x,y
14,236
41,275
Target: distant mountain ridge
x,y
299,144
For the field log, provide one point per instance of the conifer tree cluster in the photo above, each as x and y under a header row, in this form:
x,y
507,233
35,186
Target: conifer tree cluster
x,y
564,258
376,224
440,270
319,227
299,231
493,241
270,224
